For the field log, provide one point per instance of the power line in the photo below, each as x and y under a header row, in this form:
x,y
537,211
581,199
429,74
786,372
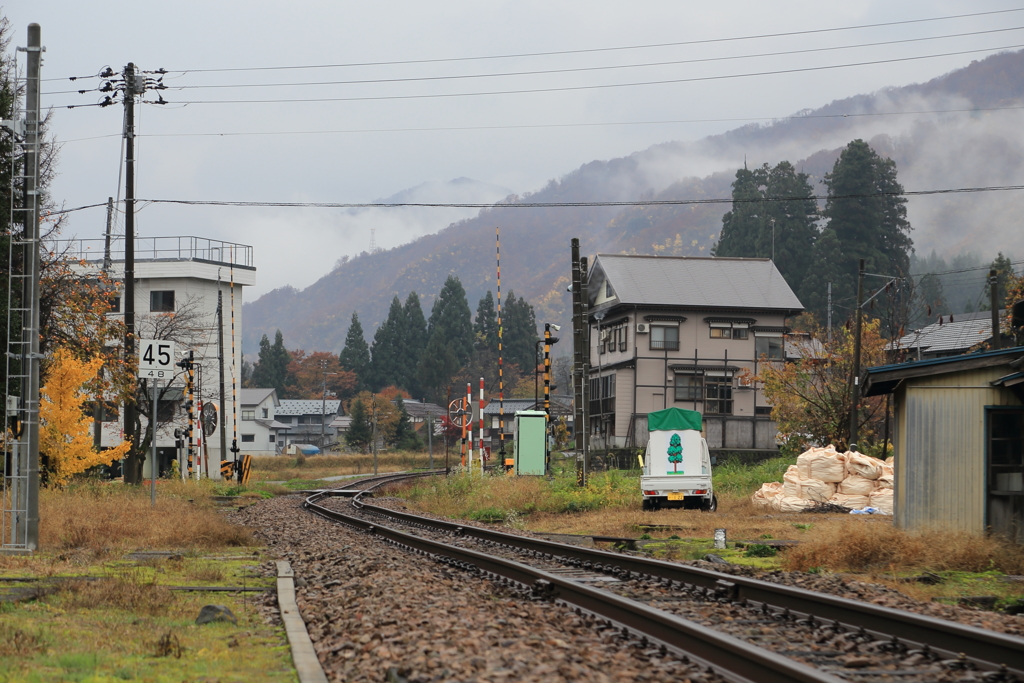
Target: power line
x,y
571,70
963,270
544,205
597,87
592,50
795,117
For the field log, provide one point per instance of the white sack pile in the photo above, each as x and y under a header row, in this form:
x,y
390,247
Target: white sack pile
x,y
853,480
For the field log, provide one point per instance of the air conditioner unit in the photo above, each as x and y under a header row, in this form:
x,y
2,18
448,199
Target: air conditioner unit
x,y
642,328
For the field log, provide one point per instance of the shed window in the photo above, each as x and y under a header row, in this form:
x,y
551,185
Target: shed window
x,y
161,301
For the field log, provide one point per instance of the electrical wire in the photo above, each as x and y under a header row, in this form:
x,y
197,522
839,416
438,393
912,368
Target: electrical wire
x,y
797,117
569,70
602,49
671,81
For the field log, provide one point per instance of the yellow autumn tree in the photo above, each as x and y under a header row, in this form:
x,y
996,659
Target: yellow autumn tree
x,y
65,432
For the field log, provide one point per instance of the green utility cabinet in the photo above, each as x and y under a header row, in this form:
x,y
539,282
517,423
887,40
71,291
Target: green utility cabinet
x,y
531,443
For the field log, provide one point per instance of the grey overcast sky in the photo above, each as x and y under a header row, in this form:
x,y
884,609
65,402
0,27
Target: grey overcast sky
x,y
504,140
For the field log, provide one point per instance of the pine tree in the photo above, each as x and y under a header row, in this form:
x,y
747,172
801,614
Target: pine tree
x,y
821,270
437,367
486,325
355,357
405,438
451,319
760,228
360,431
1004,270
386,350
414,343
741,227
520,334
868,214
271,368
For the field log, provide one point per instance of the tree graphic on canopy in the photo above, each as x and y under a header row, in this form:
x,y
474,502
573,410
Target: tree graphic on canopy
x,y
675,452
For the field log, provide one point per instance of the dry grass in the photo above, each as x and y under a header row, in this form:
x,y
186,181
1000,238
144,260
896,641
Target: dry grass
x,y
108,517
284,468
127,591
854,546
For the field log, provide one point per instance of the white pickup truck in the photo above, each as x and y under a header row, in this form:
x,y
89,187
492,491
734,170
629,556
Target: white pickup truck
x,y
677,465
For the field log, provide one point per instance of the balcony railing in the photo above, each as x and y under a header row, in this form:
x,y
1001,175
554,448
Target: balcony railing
x,y
183,248
668,345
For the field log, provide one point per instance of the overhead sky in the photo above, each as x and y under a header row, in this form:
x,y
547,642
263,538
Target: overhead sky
x,y
423,118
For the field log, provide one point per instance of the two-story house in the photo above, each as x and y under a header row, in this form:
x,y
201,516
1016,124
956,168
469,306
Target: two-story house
x,y
259,432
308,421
690,332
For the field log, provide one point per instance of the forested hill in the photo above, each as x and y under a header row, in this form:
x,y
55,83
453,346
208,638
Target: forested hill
x,y
937,146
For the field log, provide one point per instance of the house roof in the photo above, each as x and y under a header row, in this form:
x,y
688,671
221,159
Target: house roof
x,y
252,397
956,334
560,405
272,424
308,407
696,282
417,410
885,378
342,422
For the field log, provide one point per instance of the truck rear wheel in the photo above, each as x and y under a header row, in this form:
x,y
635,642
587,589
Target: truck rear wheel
x,y
710,506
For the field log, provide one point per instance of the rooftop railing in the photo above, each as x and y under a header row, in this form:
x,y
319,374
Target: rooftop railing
x,y
183,248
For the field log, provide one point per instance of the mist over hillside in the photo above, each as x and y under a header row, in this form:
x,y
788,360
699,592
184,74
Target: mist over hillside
x,y
922,127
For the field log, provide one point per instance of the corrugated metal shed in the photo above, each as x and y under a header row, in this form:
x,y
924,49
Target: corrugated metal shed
x,y
942,407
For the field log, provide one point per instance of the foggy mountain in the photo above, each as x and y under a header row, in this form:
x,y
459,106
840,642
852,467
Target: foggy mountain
x,y
922,127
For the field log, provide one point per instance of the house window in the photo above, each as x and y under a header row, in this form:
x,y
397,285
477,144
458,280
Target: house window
x,y
248,438
689,387
665,337
740,332
770,347
115,305
248,414
284,419
763,410
718,395
161,301
316,419
729,330
265,412
721,333
622,337
608,289
301,419
273,438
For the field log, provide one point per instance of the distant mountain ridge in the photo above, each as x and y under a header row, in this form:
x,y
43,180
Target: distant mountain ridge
x,y
935,147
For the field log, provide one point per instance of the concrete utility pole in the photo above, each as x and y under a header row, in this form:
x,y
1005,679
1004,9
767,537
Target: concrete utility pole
x,y
31,357
993,293
133,463
220,361
585,379
578,323
855,390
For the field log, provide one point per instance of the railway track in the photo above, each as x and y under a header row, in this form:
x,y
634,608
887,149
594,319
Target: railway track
x,y
674,606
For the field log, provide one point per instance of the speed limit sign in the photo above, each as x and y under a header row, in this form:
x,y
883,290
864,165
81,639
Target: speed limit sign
x,y
156,359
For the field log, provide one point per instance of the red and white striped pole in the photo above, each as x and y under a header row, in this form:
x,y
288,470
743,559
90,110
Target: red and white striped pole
x,y
481,426
469,423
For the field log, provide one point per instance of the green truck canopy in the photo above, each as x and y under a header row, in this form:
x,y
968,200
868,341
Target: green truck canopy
x,y
673,419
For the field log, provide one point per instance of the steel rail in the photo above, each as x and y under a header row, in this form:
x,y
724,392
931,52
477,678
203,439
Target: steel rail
x,y
988,649
732,658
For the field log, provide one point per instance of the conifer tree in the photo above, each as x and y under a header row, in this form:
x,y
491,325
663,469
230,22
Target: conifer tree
x,y
520,334
414,343
405,438
485,326
451,319
386,350
355,357
820,271
360,431
1004,270
271,368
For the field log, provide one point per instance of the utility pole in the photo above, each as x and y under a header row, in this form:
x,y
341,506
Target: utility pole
x,y
30,337
107,262
993,293
855,389
577,362
585,367
828,325
133,463
220,361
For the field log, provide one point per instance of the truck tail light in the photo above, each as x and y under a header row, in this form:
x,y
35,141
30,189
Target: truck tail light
x,y
650,493
699,492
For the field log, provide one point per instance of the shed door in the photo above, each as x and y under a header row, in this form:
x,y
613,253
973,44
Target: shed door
x,y
1005,477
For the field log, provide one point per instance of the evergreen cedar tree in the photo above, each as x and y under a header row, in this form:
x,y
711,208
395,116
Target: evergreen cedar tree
x,y
405,438
867,218
387,348
519,334
360,431
486,326
271,368
355,357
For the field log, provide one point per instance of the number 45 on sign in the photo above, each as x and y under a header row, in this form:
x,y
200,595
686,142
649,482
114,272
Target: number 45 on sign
x,y
156,359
